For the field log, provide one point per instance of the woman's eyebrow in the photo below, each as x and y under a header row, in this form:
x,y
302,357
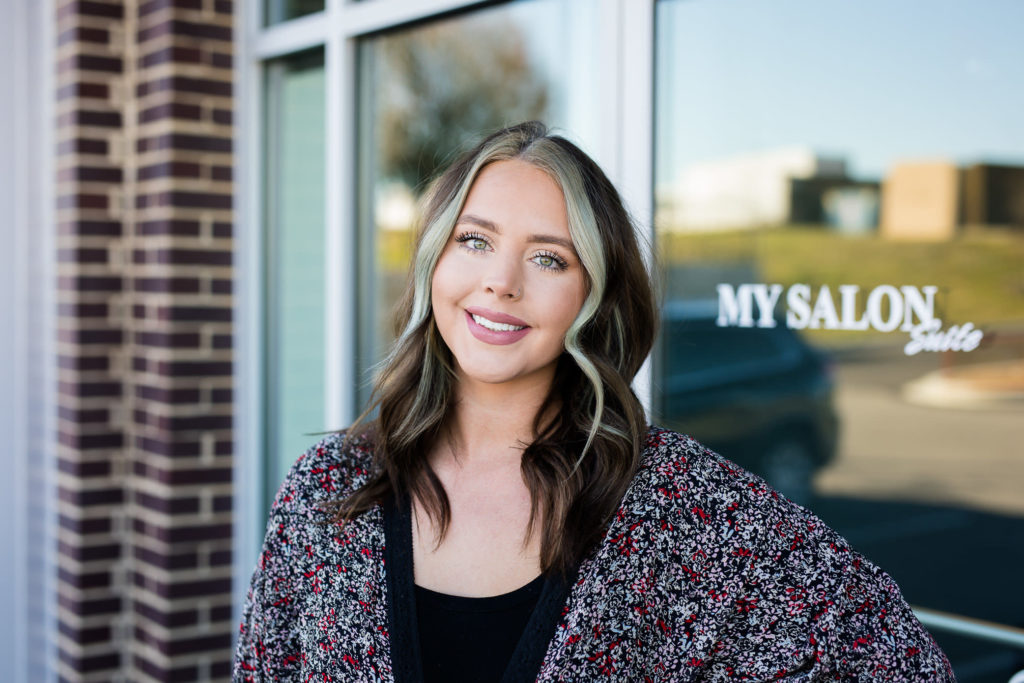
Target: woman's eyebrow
x,y
535,238
480,222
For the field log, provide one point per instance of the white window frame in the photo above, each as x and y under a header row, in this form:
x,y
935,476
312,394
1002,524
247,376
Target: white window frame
x,y
28,359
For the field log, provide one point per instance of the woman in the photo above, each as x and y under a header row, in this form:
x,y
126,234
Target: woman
x,y
510,516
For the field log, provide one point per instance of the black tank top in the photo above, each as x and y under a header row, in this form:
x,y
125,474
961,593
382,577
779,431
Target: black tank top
x,y
471,640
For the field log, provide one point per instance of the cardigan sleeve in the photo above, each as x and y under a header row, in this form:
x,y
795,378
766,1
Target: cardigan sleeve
x,y
269,647
814,609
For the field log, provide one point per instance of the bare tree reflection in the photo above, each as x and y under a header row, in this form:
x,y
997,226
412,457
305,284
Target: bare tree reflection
x,y
442,85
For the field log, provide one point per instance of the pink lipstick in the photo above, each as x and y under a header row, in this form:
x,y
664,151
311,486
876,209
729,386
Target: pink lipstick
x,y
510,329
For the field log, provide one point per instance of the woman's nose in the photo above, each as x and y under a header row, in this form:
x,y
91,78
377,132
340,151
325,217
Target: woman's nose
x,y
504,279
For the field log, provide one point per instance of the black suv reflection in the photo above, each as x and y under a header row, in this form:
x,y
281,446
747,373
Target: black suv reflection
x,y
759,396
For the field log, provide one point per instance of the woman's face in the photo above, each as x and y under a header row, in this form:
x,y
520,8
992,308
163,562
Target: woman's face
x,y
508,284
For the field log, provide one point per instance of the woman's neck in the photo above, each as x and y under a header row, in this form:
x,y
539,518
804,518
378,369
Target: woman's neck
x,y
491,424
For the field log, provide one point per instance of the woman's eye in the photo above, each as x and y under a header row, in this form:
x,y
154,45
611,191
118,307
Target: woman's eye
x,y
550,262
473,242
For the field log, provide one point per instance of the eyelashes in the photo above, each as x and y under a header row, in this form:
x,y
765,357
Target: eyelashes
x,y
477,243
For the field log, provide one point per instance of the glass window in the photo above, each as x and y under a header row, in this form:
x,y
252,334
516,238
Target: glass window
x,y
429,91
294,248
838,214
276,11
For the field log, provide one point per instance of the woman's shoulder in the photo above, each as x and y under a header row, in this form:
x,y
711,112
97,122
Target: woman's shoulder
x,y
329,470
681,478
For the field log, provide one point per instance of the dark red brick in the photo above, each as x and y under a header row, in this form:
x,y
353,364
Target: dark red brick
x,y
105,337
219,286
198,644
186,560
84,469
81,255
184,368
82,201
83,90
83,442
171,54
91,9
169,227
184,84
84,415
92,663
181,674
107,551
170,169
169,449
81,363
84,34
193,314
194,257
88,498
86,608
181,141
223,116
89,283
185,28
83,117
221,396
167,285
219,558
166,619
82,146
85,636
157,5
171,110
221,60
90,174
185,395
222,229
203,475
90,228
83,310
86,526
194,422
86,62
89,389
168,340
170,506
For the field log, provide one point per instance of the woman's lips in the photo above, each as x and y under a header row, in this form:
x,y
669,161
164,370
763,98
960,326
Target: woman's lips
x,y
496,337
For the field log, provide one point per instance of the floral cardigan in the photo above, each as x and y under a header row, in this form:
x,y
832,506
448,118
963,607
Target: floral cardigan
x,y
704,574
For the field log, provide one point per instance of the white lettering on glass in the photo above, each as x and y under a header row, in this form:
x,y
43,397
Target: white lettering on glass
x,y
886,308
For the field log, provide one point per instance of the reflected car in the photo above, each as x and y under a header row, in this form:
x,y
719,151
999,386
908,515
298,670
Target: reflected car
x,y
761,397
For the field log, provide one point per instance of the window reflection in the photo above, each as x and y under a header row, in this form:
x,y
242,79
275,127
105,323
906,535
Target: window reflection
x,y
294,246
838,213
276,11
431,91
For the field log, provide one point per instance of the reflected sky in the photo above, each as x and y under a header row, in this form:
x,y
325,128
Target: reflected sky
x,y
873,81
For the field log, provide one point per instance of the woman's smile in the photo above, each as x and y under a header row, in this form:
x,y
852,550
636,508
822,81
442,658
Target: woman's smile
x,y
495,328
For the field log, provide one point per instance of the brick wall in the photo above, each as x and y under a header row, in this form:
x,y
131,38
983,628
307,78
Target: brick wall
x,y
144,158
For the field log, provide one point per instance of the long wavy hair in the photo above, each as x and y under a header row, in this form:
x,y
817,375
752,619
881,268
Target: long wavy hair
x,y
582,460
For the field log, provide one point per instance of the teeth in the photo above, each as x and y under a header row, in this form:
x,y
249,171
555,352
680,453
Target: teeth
x,y
497,327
